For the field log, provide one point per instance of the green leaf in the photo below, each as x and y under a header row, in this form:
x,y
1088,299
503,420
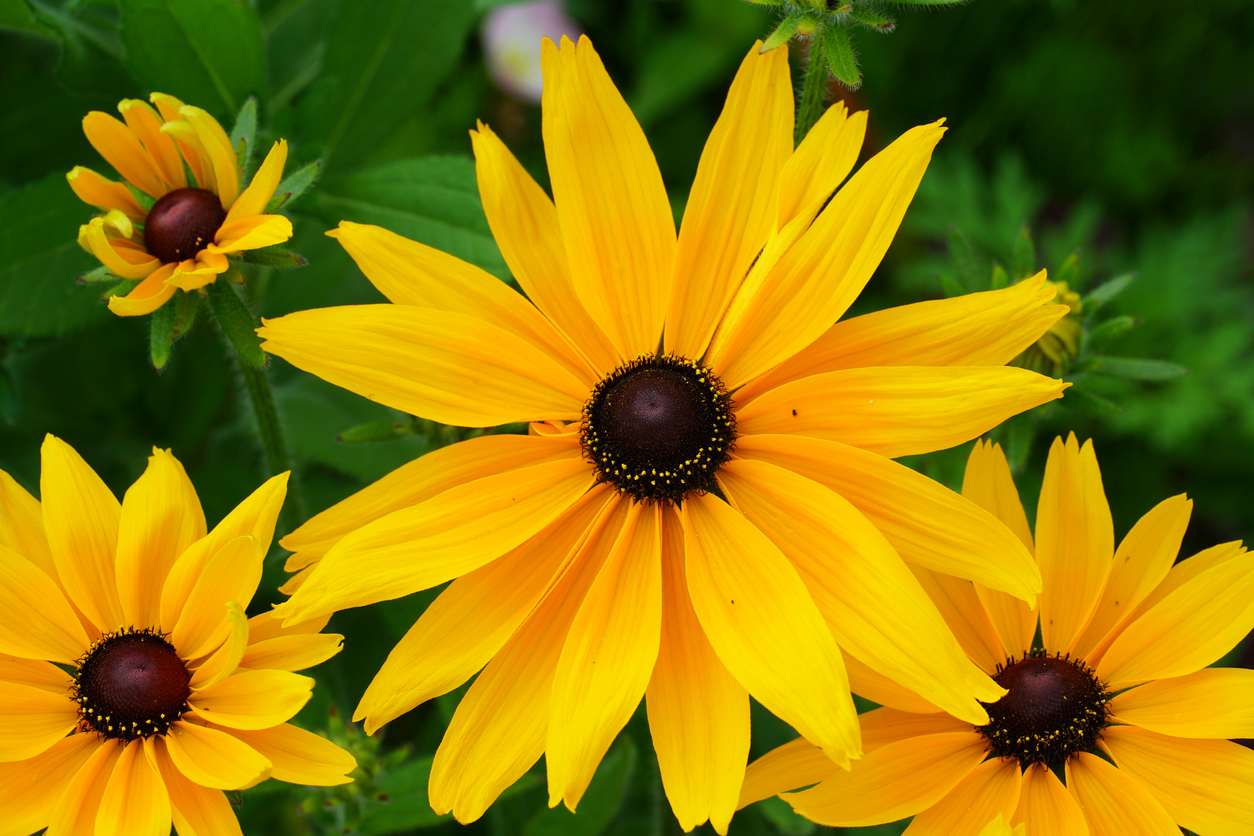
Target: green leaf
x,y
294,185
785,820
1085,402
1138,368
208,53
872,20
384,61
434,200
235,321
838,51
186,307
784,32
970,273
39,258
1024,256
275,256
600,802
243,137
1106,291
98,276
161,334
91,53
383,430
950,286
15,15
1000,277
405,805
1109,331
1069,272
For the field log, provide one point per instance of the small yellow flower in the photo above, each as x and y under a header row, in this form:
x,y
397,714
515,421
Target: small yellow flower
x,y
1127,637
182,240
173,695
1058,347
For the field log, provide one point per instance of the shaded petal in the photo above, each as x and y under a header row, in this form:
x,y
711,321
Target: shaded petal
x,y
1113,803
469,622
122,257
765,627
881,690
145,123
218,150
252,699
895,781
898,410
223,661
1046,808
256,197
731,208
38,622
301,757
197,810
1205,785
22,525
991,789
874,606
135,801
1212,702
698,712
960,606
498,731
798,763
928,524
265,626
148,295
882,726
233,574
524,224
474,373
115,142
453,533
30,790
213,758
248,233
615,217
781,310
977,329
35,673
33,719
1182,573
292,653
103,193
75,813
820,164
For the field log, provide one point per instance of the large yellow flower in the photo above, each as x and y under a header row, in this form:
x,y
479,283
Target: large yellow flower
x,y
181,241
173,694
706,506
1127,638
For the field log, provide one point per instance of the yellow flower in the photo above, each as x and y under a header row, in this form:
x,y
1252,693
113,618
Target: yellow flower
x,y
1127,638
705,506
182,241
174,694
1058,347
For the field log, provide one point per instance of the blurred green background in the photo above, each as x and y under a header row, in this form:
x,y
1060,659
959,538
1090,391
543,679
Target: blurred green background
x,y
1121,129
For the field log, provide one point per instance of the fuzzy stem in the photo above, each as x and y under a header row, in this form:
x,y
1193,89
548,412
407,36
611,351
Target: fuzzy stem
x,y
270,432
813,92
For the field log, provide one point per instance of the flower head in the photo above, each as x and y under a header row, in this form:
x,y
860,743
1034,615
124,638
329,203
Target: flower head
x,y
1117,697
181,211
133,688
705,506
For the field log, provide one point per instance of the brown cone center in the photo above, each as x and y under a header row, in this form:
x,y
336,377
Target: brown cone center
x,y
132,684
182,223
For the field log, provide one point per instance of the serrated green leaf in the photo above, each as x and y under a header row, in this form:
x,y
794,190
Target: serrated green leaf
x,y
208,53
1024,255
1108,290
243,137
838,52
1109,331
600,802
235,321
970,274
1139,368
294,185
1085,402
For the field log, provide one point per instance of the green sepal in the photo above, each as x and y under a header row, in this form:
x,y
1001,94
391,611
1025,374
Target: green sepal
x,y
100,274
838,51
950,286
274,256
1106,291
962,251
1000,277
1139,368
1069,271
1024,256
236,322
186,307
1081,400
873,21
120,289
161,333
376,431
243,136
294,185
1109,331
783,33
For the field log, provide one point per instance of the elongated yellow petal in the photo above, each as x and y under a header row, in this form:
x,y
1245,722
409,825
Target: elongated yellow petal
x,y
615,218
36,673
881,690
731,208
39,622
135,801
874,606
30,790
474,373
253,699
1114,803
470,621
1212,702
608,657
250,233
498,731
224,661
197,810
524,224
698,712
440,539
959,604
265,626
301,757
895,781
32,719
115,142
292,653
218,149
1045,806
81,519
1185,571
781,311
233,574
820,164
409,273
883,726
256,197
796,764
103,193
75,813
145,124
765,627
898,410
928,524
147,296
124,261
213,758
22,525
992,789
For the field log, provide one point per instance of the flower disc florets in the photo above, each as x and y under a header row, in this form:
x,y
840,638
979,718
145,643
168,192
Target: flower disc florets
x,y
1055,708
181,223
130,684
658,428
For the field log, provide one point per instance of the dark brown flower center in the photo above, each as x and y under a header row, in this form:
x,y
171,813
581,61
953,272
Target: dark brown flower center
x,y
131,684
181,223
1055,708
658,428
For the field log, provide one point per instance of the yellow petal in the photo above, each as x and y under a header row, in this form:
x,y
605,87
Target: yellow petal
x,y
22,525
928,524
469,622
796,764
223,661
1142,561
616,220
32,719
881,690
731,208
959,604
1113,803
135,802
1205,785
498,731
35,673
292,653
698,712
1186,631
147,296
124,261
213,758
874,606
252,699
991,789
103,193
895,781
440,539
410,273
115,142
81,518
1182,573
218,149
197,810
146,125
250,233
782,310
1045,806
977,329
301,757
161,517
765,627
474,373
1212,702
821,163
524,224
898,410
39,623
75,813
233,574
30,790
265,626
608,656
883,726
257,196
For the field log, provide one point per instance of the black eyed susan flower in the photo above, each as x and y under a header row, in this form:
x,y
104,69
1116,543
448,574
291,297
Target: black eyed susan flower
x,y
133,688
196,212
705,506
1119,699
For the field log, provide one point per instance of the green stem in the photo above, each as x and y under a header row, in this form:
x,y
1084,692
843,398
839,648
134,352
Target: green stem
x,y
262,398
813,92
